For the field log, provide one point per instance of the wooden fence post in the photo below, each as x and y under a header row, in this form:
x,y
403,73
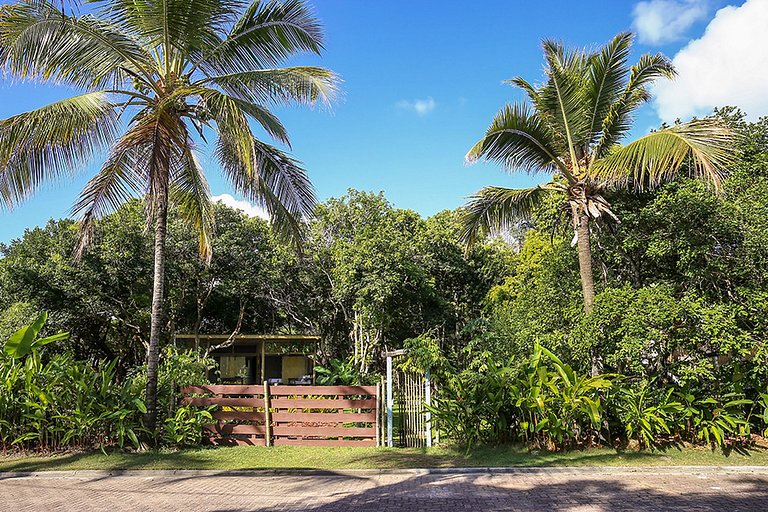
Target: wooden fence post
x,y
267,417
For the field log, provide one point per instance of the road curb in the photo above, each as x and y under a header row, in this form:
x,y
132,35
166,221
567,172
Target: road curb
x,y
361,473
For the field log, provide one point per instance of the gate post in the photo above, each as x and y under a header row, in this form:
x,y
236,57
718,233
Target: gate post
x,y
267,416
390,401
428,401
378,414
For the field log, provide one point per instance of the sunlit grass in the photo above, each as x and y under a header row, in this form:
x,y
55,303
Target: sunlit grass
x,y
289,457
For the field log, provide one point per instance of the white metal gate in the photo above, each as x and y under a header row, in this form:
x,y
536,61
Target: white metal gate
x,y
408,421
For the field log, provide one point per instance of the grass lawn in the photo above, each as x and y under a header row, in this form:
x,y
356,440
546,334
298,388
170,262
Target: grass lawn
x,y
289,457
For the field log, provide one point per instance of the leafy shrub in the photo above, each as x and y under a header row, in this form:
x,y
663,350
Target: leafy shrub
x,y
185,427
713,420
340,372
475,407
645,413
56,402
543,402
66,403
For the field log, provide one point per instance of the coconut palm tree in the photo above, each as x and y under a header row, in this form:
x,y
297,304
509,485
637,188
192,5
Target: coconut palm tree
x,y
571,128
157,78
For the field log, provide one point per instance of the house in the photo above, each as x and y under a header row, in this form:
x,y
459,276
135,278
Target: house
x,y
255,358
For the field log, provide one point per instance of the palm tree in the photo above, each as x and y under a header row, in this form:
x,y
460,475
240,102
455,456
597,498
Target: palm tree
x,y
157,77
571,130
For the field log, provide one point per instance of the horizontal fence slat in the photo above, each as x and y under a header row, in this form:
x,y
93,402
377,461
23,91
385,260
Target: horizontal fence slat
x,y
223,401
343,405
231,428
347,417
224,389
238,416
310,403
323,442
281,430
322,390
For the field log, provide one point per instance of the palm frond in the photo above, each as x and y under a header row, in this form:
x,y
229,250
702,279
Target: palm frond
x,y
262,173
52,142
269,121
40,42
189,191
607,78
497,208
175,30
233,113
527,87
274,180
121,177
299,84
267,33
618,120
563,97
704,147
232,124
518,139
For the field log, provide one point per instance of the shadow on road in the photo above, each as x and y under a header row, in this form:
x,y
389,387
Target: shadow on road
x,y
541,492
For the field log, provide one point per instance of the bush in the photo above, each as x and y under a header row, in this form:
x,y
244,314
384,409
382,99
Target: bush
x,y
338,372
544,403
63,403
53,403
185,427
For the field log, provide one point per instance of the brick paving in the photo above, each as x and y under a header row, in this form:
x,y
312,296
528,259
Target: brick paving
x,y
541,490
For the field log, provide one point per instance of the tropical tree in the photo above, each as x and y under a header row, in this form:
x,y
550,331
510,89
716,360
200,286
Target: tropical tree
x,y
571,128
157,77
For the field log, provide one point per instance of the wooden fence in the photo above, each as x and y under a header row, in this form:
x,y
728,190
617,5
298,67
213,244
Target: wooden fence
x,y
290,415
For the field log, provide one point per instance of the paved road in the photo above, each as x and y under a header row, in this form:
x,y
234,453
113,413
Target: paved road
x,y
571,490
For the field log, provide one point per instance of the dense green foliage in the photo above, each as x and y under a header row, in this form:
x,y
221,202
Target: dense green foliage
x,y
49,402
545,403
682,287
369,277
680,313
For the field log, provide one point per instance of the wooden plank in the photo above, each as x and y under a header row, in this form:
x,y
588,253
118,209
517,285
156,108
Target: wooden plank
x,y
284,430
223,389
324,442
225,429
338,417
291,403
322,390
222,401
238,416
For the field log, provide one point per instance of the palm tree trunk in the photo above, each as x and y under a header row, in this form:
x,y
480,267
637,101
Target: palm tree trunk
x,y
585,260
153,352
587,277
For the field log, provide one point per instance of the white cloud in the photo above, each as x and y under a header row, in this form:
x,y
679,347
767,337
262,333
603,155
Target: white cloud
x,y
421,107
244,206
728,65
662,21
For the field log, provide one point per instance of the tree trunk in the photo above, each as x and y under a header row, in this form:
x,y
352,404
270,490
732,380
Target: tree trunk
x,y
153,352
587,277
585,260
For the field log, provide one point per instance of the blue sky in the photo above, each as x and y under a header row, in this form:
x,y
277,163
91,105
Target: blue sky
x,y
422,79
